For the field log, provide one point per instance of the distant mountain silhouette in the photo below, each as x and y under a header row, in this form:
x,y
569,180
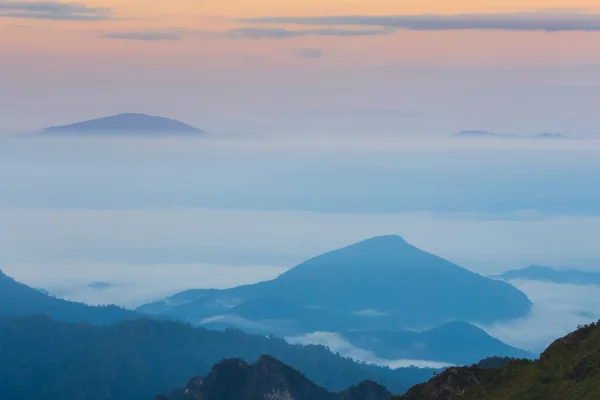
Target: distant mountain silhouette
x,y
483,135
457,343
567,369
382,283
549,136
17,299
267,379
549,274
43,359
126,124
477,134
99,285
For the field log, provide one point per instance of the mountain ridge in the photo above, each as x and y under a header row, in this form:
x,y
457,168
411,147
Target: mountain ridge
x,y
18,299
135,359
481,134
456,343
554,275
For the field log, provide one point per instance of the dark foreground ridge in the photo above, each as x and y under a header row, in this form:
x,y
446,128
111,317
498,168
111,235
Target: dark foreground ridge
x,y
267,379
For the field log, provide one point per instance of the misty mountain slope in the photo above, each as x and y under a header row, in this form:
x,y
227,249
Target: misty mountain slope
x,y
129,123
268,378
134,360
382,283
569,369
17,299
456,343
549,274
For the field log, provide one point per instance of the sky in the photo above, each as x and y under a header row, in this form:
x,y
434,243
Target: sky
x,y
304,66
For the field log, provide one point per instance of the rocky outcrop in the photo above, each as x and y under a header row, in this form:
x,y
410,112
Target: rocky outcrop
x,y
267,379
568,369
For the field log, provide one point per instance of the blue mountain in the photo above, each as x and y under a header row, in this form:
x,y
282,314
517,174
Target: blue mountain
x,y
479,134
17,299
456,343
126,124
382,283
549,274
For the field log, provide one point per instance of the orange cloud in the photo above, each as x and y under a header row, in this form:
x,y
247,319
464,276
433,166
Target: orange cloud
x,y
173,32
247,8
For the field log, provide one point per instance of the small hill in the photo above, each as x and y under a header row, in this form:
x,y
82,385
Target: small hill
x,y
568,370
457,343
136,359
365,286
125,124
17,299
549,274
268,378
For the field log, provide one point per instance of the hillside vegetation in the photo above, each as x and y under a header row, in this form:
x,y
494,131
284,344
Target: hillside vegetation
x,y
568,370
43,359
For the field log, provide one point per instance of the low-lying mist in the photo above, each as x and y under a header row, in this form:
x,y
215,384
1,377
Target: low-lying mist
x,y
327,173
558,309
337,344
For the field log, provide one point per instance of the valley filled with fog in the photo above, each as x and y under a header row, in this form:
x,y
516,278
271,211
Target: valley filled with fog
x,y
129,221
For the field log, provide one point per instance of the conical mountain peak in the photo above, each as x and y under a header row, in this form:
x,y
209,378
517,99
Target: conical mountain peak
x,y
391,240
372,282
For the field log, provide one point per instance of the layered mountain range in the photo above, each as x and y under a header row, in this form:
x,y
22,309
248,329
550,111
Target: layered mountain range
x,y
369,293
52,348
568,369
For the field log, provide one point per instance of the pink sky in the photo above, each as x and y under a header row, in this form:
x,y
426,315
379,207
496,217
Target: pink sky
x,y
204,63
